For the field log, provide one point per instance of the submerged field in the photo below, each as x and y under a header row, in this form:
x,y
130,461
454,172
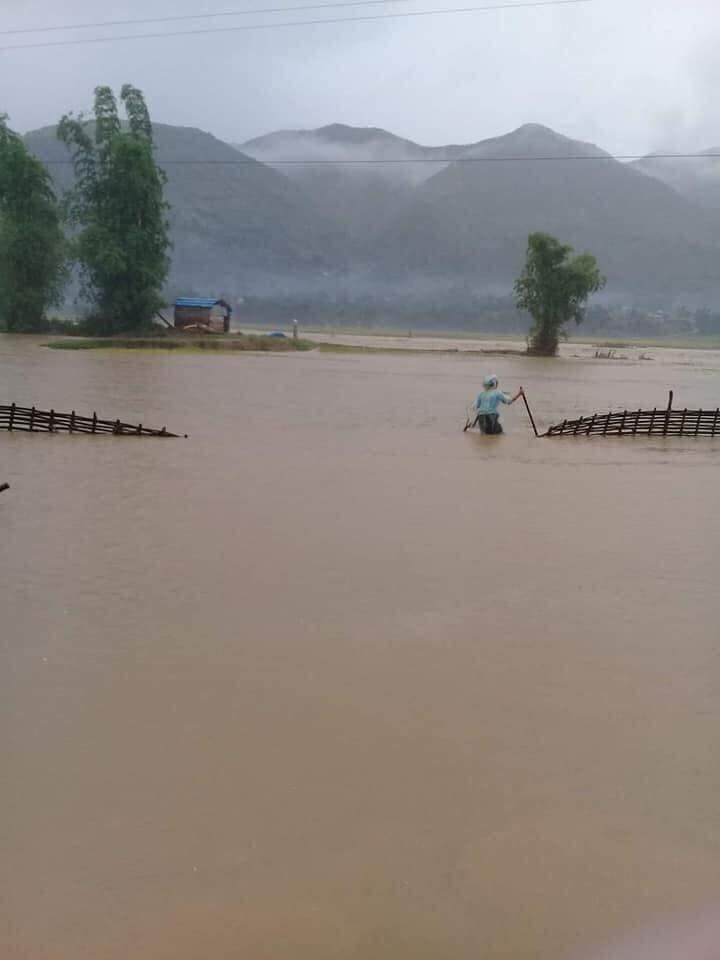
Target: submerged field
x,y
332,680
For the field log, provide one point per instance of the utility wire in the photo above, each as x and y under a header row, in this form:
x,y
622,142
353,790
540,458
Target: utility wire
x,y
509,159
288,23
194,16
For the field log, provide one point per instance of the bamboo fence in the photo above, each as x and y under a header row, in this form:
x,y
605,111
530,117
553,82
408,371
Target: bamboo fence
x,y
32,420
665,423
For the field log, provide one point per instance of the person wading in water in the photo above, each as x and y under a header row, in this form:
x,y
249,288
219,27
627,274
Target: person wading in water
x,y
488,402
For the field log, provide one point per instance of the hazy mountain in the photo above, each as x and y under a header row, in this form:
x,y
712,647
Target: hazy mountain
x,y
231,222
472,218
339,141
697,178
394,229
356,176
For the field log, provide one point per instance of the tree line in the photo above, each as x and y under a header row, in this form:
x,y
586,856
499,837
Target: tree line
x,y
110,231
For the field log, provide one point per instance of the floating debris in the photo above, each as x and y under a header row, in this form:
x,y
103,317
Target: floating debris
x,y
4,486
32,420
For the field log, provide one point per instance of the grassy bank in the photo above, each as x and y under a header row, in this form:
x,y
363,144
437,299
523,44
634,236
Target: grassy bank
x,y
675,341
453,351
230,344
249,343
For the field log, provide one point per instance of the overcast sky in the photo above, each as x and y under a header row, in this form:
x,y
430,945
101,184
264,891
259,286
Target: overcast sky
x,y
629,75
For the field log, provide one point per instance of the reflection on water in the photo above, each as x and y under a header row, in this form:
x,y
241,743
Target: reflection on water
x,y
330,679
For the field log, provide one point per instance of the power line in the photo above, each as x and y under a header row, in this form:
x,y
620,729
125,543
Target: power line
x,y
194,16
289,23
447,161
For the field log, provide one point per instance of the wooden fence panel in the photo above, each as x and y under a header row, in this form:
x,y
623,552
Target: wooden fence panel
x,y
32,420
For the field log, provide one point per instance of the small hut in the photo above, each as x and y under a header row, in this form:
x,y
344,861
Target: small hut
x,y
202,314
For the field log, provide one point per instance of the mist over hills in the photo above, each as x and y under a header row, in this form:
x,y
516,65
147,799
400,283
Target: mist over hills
x,y
474,217
463,212
696,178
356,176
399,220
233,221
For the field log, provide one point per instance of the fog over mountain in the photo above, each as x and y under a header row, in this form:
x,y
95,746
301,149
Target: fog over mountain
x,y
697,178
473,218
395,219
358,177
232,223
464,211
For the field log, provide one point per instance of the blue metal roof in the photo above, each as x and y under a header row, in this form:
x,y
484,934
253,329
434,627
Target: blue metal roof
x,y
202,302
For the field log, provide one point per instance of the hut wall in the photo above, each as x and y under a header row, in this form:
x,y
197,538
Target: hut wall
x,y
187,316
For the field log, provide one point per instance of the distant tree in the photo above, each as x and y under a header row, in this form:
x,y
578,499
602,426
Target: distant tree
x,y
32,245
554,288
119,211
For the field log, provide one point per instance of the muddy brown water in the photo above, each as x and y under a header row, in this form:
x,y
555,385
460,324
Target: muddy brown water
x,y
330,679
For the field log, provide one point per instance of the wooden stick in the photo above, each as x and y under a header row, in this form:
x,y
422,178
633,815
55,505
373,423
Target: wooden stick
x,y
527,407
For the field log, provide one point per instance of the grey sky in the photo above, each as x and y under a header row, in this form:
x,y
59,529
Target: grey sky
x,y
630,75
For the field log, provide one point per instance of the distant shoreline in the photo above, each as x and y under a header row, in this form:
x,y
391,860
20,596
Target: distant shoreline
x,y
350,340
698,342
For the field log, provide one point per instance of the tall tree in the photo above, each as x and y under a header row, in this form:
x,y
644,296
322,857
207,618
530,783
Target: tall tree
x,y
554,288
119,211
32,245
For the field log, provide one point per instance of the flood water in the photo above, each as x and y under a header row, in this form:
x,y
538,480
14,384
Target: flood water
x,y
330,679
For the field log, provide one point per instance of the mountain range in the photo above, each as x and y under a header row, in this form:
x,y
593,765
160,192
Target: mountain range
x,y
345,208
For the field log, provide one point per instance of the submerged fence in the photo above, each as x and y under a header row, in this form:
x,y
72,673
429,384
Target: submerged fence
x,y
32,420
667,422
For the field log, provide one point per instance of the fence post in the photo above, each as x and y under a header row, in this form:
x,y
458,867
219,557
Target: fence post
x,y
12,416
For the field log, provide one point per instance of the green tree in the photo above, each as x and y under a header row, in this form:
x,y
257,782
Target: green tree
x,y
32,245
118,209
554,288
